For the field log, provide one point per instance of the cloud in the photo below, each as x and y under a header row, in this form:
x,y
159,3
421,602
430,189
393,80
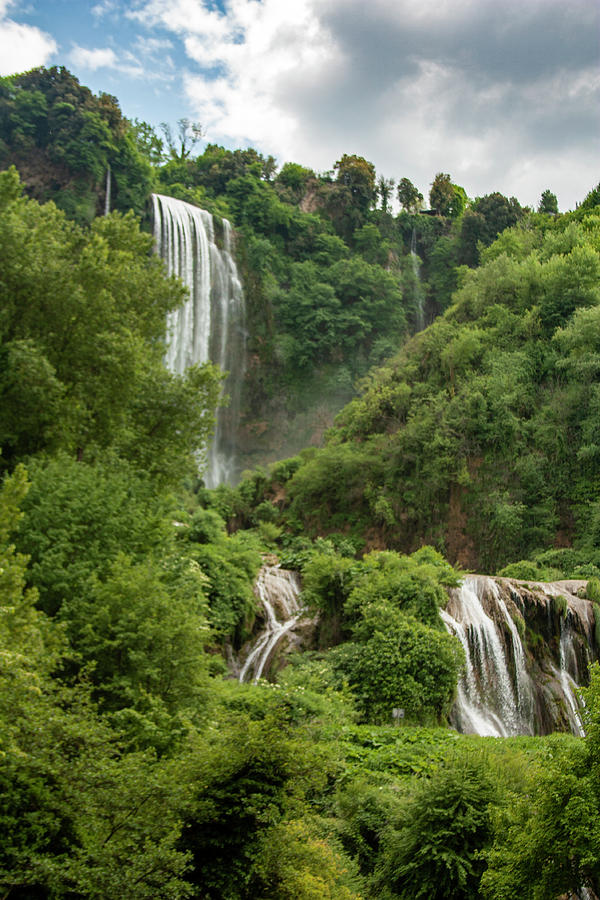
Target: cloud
x,y
502,95
147,59
104,8
22,47
105,58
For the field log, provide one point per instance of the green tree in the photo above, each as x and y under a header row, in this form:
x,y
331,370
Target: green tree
x,y
385,186
398,662
77,818
359,176
54,125
84,323
409,197
434,849
446,198
548,203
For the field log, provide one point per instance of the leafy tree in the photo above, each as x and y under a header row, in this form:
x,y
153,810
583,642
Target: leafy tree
x,y
487,217
148,142
410,198
78,517
246,786
52,124
143,630
547,842
434,848
447,198
548,203
77,818
385,186
84,323
398,662
188,135
592,199
359,176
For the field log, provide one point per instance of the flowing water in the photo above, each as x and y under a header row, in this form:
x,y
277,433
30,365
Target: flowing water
x,y
210,326
504,690
278,591
418,287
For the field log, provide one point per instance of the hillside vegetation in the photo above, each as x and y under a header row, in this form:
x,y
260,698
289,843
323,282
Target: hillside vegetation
x,y
481,436
131,763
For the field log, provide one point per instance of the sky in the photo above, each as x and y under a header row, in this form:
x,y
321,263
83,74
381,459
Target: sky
x,y
504,95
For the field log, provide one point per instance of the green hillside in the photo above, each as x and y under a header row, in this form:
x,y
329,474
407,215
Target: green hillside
x,y
132,764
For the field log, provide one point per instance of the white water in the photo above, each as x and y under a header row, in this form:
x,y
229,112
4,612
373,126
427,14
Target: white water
x,y
278,591
418,288
487,702
568,661
496,694
210,325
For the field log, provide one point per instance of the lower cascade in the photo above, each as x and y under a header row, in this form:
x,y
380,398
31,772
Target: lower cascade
x,y
278,590
527,647
210,326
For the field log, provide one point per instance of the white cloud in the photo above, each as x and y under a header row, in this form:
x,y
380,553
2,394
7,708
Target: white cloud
x,y
104,8
147,59
502,96
99,58
106,58
22,47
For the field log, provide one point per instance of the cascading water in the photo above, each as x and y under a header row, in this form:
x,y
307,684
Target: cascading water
x,y
210,326
278,591
418,287
505,689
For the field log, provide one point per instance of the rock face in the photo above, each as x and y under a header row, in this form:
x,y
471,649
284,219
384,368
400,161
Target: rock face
x,y
527,647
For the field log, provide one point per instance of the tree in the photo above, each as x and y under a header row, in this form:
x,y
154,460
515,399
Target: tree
x,y
398,662
448,199
548,203
358,176
53,125
487,217
592,199
77,818
188,135
385,186
84,324
433,852
410,198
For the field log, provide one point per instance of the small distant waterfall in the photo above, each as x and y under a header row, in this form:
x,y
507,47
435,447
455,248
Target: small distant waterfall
x,y
210,326
505,688
418,287
278,591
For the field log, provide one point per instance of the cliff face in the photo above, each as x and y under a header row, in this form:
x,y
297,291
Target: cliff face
x,y
527,646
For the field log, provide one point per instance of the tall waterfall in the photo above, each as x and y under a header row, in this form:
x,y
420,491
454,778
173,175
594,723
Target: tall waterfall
x,y
511,686
418,287
210,326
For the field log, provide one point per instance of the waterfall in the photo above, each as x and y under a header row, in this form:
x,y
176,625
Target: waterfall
x,y
278,591
506,689
107,192
210,326
418,288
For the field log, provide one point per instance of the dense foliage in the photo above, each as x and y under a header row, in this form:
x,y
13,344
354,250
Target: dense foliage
x,y
480,436
64,141
131,763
